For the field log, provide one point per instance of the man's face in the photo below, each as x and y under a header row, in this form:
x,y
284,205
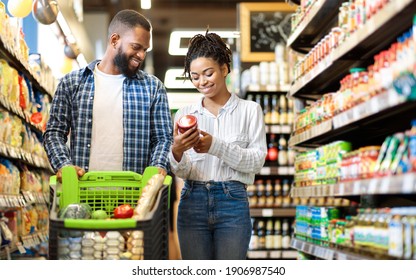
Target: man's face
x,y
132,51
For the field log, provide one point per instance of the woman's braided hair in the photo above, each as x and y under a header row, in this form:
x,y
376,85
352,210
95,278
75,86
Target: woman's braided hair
x,y
209,45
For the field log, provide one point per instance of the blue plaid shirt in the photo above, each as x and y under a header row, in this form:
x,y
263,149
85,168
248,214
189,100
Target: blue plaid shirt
x,y
147,122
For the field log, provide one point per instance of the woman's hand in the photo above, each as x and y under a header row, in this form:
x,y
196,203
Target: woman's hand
x,y
183,141
204,143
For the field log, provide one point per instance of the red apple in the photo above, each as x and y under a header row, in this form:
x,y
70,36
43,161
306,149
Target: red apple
x,y
186,122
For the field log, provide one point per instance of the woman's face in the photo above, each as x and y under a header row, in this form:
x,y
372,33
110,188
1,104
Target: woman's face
x,y
208,76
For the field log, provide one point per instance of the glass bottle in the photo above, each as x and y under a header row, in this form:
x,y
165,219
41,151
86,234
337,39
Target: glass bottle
x,y
261,195
272,150
278,199
274,119
282,156
277,234
282,110
285,234
252,195
254,239
267,110
286,193
269,194
269,234
261,232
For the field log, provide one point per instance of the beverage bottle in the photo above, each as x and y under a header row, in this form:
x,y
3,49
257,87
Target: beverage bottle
x,y
269,234
282,156
286,193
275,110
277,234
277,193
272,150
285,234
267,110
282,110
261,232
261,194
254,239
269,194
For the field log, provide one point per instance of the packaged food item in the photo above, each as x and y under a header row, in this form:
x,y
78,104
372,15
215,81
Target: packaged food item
x,y
148,197
187,122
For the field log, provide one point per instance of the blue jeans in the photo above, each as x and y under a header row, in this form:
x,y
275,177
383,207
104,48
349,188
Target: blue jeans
x,y
214,221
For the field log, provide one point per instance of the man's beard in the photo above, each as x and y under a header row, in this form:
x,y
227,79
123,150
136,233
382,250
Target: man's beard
x,y
121,61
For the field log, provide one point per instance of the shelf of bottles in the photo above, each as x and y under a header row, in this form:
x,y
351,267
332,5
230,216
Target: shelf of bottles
x,y
271,238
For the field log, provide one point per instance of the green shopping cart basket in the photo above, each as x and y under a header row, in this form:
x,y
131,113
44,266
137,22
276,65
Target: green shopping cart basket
x,y
73,238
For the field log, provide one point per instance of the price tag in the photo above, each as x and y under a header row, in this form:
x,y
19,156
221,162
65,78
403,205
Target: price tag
x,y
271,87
341,187
275,129
356,187
408,183
342,256
385,185
374,105
20,247
372,186
283,170
267,212
285,129
275,254
265,171
329,254
254,87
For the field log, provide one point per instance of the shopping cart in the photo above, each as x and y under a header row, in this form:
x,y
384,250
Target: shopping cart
x,y
73,238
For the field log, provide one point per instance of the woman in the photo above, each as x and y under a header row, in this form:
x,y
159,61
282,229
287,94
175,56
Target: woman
x,y
217,159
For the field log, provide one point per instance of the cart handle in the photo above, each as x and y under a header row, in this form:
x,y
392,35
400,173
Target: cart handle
x,y
100,224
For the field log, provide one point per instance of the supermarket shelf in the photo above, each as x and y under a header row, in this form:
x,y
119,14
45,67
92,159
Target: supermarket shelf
x,y
277,129
11,201
368,122
398,184
324,252
272,254
24,156
357,50
6,251
20,113
277,170
8,54
317,20
272,212
318,130
267,88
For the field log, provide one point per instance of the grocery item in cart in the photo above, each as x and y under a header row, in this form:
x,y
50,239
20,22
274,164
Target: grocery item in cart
x,y
147,199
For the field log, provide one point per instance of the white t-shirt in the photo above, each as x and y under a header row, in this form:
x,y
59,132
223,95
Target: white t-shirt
x,y
107,123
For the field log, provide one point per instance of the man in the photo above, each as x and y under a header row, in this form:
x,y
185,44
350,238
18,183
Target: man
x,y
117,115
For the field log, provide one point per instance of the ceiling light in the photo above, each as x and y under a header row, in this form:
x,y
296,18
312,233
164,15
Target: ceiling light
x,y
146,4
180,38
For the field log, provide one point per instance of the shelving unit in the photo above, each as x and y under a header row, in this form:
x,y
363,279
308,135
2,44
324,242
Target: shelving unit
x,y
13,204
315,23
326,253
357,50
272,171
367,123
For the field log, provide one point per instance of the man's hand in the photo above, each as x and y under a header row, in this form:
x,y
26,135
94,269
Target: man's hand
x,y
78,169
162,171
